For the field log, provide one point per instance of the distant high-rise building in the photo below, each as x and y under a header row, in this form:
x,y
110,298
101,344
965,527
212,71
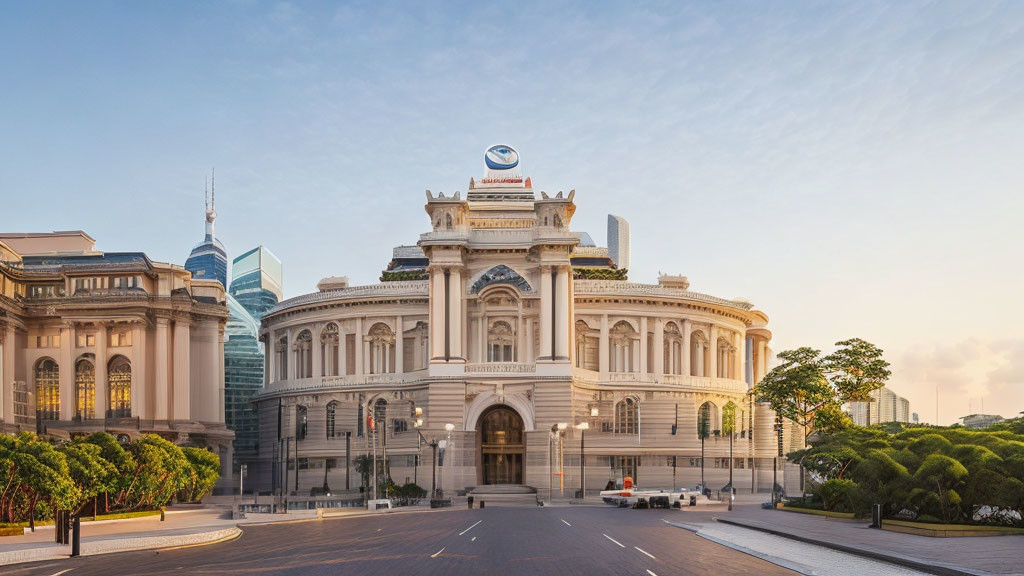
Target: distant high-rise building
x,y
256,281
618,241
885,406
208,259
978,421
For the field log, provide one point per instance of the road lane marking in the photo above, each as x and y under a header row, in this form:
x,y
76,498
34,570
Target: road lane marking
x,y
379,529
470,528
61,572
435,554
651,573
566,523
644,552
473,539
613,540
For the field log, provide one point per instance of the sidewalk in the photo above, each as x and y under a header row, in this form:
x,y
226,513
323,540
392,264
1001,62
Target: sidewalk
x,y
954,555
187,527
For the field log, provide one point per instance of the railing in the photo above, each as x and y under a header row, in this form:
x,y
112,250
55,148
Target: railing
x,y
583,287
675,380
501,368
322,382
398,288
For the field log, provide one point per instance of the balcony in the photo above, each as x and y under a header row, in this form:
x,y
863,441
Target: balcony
x,y
671,380
347,381
501,368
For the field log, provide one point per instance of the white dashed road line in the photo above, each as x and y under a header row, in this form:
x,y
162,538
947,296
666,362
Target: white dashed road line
x,y
436,554
473,539
566,523
645,553
614,540
470,528
651,573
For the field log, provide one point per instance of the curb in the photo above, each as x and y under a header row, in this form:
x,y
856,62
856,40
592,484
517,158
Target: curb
x,y
54,552
939,570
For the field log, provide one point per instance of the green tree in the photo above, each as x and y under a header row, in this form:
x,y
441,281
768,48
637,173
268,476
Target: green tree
x,y
122,460
797,388
855,370
945,474
89,471
203,471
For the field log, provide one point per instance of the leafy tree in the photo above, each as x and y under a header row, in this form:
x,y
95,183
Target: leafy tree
x,y
797,388
856,369
203,471
945,474
89,471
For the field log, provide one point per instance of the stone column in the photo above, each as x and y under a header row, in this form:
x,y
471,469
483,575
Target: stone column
x,y
360,345
761,360
218,375
140,391
561,314
318,360
342,351
748,358
546,302
531,354
659,348
399,346
270,371
520,338
436,321
182,366
293,362
101,371
603,348
685,360
481,339
66,373
713,352
642,368
162,374
455,309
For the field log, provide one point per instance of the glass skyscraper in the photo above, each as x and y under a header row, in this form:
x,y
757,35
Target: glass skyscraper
x,y
256,279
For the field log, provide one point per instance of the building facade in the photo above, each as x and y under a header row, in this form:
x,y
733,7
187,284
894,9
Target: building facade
x,y
94,341
498,334
885,406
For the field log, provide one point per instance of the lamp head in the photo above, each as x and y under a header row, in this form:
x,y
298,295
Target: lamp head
x,y
449,426
583,426
594,412
562,425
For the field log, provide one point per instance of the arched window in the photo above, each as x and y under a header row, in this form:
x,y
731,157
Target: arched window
x,y
698,346
47,375
85,390
301,422
707,420
627,416
622,342
587,344
673,349
332,412
303,355
282,357
119,388
728,419
382,349
500,342
329,350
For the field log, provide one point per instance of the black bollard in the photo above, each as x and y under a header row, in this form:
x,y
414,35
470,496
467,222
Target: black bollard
x,y
76,537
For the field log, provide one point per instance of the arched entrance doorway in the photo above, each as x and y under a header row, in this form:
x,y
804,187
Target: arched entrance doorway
x,y
502,446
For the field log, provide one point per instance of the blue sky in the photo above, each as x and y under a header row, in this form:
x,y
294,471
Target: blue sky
x,y
854,170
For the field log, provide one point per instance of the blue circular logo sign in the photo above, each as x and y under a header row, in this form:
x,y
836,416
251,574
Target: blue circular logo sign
x,y
501,157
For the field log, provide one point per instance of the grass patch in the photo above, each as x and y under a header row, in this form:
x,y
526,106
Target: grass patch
x,y
8,529
815,512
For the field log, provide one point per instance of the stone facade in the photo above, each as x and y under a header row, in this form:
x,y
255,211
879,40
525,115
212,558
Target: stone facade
x,y
108,341
501,341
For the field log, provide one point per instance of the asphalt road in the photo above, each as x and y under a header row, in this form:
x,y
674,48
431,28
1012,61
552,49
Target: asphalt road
x,y
506,541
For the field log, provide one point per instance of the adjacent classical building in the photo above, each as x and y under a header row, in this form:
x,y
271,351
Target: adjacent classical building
x,y
618,241
108,341
885,406
495,325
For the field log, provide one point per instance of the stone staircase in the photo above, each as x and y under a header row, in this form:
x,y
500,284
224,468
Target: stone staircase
x,y
510,495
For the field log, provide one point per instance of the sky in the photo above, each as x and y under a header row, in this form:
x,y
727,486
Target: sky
x,y
855,170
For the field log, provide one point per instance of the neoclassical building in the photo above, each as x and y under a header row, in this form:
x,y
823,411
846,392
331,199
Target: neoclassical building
x,y
499,323
108,341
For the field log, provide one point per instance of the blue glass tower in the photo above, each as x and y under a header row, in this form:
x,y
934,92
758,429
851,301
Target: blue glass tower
x,y
256,279
209,259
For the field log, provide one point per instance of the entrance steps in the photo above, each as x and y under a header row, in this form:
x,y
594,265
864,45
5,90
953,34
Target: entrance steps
x,y
511,495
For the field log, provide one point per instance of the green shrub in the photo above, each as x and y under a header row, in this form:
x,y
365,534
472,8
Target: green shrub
x,y
837,495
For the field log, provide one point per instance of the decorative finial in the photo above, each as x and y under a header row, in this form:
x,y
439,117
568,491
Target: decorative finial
x,y
213,189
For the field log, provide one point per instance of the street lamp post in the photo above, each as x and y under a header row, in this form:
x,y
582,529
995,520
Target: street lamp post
x,y
556,434
583,427
445,445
